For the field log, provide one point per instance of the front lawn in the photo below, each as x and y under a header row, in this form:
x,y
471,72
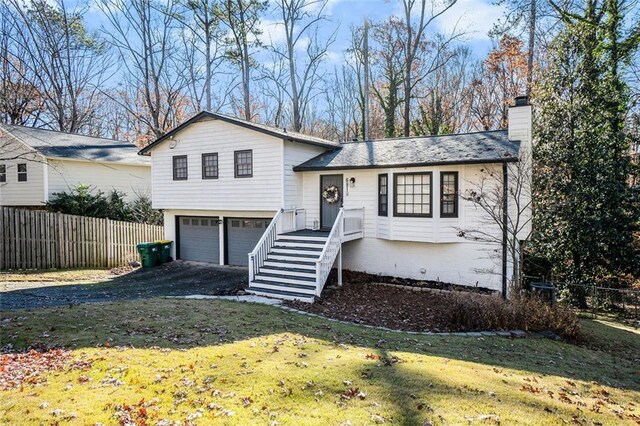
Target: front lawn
x,y
161,361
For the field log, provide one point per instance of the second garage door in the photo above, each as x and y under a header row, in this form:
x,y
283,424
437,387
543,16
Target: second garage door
x,y
242,237
199,239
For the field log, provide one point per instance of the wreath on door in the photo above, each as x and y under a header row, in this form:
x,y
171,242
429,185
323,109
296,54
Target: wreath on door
x,y
331,194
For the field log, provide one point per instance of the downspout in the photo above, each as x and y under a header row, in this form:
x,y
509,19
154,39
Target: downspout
x,y
505,223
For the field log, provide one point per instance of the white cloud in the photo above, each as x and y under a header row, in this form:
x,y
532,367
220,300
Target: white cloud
x,y
272,32
474,17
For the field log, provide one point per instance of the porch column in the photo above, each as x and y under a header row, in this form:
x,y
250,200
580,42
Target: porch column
x,y
222,241
340,266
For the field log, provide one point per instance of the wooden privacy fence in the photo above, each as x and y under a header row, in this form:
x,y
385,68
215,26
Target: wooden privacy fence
x,y
35,239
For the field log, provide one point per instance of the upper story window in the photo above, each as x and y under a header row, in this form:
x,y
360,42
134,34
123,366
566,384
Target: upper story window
x,y
449,194
3,172
243,163
210,166
180,169
412,194
22,172
383,195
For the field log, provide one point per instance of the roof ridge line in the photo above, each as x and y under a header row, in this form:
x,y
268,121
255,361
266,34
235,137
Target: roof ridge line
x,y
425,136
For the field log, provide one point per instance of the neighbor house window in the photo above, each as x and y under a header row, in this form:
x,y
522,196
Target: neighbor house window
x,y
3,173
180,167
243,163
449,194
22,172
383,195
412,194
210,166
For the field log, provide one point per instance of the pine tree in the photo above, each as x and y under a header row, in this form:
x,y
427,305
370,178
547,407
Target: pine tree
x,y
585,209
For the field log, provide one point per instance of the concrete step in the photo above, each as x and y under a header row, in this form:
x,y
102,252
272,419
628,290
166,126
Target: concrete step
x,y
301,237
299,264
280,294
296,250
289,271
300,243
276,277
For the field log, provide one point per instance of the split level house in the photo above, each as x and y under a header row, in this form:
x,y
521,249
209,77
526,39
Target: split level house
x,y
291,206
37,163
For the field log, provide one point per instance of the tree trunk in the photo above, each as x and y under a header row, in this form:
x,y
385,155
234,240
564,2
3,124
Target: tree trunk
x,y
532,35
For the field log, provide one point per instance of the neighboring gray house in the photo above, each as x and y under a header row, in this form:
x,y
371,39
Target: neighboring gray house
x,y
292,206
35,163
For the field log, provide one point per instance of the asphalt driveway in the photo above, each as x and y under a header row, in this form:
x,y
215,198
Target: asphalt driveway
x,y
171,279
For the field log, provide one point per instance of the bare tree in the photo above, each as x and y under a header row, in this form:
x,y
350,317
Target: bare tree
x,y
388,58
443,107
301,20
203,51
420,58
342,110
20,101
241,18
488,194
57,57
143,33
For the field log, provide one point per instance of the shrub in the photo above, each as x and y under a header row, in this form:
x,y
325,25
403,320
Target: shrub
x,y
85,201
472,312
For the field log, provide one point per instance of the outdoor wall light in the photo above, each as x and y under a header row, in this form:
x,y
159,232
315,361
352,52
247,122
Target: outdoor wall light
x,y
173,142
351,182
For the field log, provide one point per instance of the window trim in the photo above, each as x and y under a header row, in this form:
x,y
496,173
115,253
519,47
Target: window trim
x,y
25,173
3,173
235,163
179,157
204,176
455,199
386,195
395,195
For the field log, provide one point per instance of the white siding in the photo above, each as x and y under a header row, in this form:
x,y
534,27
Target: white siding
x,y
29,193
418,229
407,246
296,153
263,191
134,181
464,263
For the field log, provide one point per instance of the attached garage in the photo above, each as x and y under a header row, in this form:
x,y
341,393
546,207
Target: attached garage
x,y
199,239
242,235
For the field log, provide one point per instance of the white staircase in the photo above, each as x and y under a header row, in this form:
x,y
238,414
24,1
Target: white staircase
x,y
289,271
290,262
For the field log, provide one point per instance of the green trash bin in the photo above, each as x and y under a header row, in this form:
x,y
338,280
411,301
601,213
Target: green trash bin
x,y
165,250
148,254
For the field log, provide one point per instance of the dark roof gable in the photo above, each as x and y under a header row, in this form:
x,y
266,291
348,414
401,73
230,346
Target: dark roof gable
x,y
269,130
54,144
466,148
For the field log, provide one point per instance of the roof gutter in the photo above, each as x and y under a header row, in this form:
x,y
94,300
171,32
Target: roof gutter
x,y
504,160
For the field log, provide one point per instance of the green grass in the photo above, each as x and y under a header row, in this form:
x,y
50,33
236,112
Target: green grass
x,y
195,359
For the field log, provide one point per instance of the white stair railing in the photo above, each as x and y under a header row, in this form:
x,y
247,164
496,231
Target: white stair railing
x,y
353,223
291,220
261,250
329,253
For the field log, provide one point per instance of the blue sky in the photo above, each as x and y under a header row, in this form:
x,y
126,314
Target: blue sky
x,y
474,17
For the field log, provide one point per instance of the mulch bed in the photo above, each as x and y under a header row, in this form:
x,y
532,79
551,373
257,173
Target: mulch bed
x,y
381,306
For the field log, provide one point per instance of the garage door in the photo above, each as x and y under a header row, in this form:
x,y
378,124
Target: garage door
x,y
199,239
242,237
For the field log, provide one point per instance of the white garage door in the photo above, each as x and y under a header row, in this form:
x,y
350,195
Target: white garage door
x,y
242,237
199,239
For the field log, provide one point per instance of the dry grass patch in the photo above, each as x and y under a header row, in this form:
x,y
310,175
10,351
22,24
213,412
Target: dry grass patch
x,y
203,362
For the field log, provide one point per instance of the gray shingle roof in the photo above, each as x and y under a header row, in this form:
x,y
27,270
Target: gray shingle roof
x,y
52,144
269,130
480,147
